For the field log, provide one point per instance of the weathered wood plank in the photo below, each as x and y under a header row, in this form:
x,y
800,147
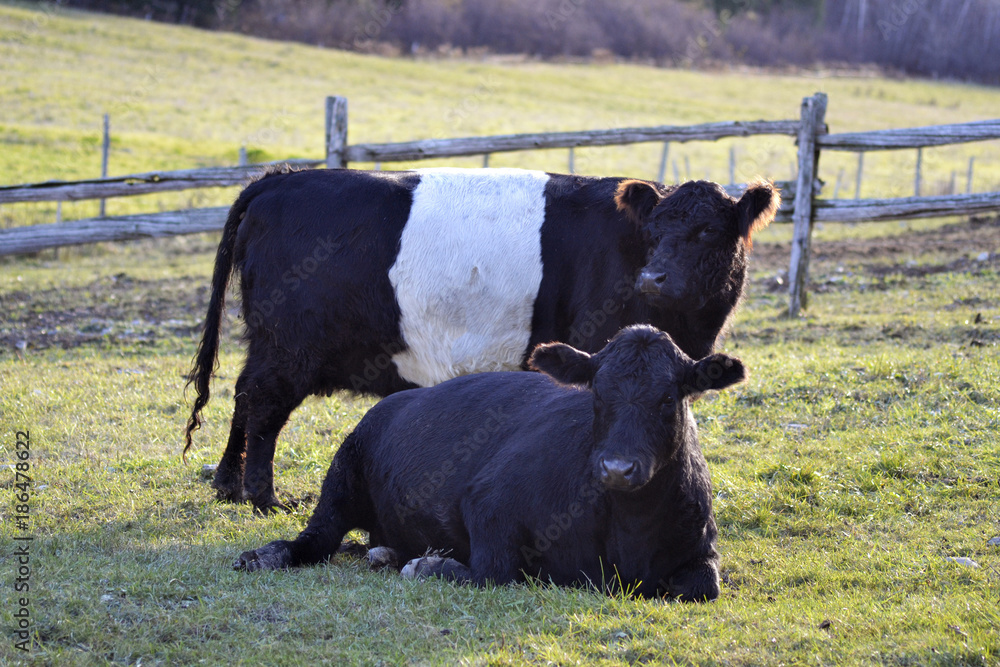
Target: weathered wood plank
x,y
898,208
812,124
336,132
138,184
911,137
20,240
434,148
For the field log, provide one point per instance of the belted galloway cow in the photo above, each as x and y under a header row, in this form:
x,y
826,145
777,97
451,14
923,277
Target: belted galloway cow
x,y
586,473
382,281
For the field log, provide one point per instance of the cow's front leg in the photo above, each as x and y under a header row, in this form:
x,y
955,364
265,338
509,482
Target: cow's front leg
x,y
696,581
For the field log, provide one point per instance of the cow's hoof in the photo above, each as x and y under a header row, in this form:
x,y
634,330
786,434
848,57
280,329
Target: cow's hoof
x,y
228,490
383,557
273,556
270,506
436,566
224,496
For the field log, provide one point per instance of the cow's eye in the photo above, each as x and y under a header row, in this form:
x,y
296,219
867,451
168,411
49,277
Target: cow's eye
x,y
667,404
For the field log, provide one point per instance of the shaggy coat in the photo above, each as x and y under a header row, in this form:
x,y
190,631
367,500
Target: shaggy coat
x,y
588,472
381,281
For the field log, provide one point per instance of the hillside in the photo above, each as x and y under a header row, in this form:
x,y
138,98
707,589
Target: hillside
x,y
181,97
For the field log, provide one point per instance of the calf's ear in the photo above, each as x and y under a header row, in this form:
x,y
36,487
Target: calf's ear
x,y
563,363
757,207
636,199
716,371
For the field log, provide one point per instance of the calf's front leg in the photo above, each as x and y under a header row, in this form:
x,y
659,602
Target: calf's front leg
x,y
697,581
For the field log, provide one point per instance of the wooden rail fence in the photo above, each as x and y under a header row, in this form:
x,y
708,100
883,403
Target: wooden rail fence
x,y
802,206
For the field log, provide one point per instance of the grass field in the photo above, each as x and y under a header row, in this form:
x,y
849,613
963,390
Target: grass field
x,y
858,459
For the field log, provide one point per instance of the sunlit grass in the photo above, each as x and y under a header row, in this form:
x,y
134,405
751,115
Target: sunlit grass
x,y
859,456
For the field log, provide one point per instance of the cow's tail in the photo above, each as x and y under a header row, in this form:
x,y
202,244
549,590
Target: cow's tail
x,y
206,359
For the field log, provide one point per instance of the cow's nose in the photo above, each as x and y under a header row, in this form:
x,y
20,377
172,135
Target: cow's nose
x,y
618,473
651,282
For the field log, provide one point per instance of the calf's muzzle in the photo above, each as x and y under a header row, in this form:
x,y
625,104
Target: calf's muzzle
x,y
619,473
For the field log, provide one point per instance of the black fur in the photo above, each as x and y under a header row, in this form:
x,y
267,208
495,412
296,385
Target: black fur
x,y
504,473
313,250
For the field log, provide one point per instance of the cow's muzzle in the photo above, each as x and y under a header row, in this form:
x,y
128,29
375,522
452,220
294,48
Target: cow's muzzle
x,y
620,473
651,282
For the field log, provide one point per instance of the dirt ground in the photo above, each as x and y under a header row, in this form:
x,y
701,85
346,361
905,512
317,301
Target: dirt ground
x,y
121,310
880,256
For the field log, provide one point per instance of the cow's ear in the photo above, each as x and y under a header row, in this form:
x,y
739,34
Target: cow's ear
x,y
757,207
716,371
636,199
564,363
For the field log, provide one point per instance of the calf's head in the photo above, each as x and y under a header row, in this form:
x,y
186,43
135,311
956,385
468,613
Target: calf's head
x,y
698,238
642,385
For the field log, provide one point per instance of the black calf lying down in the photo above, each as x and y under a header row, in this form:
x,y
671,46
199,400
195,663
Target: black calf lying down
x,y
590,473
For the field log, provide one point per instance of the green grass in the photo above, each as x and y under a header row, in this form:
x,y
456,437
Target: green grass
x,y
861,453
859,456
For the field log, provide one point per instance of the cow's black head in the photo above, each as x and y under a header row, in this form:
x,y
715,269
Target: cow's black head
x,y
698,238
642,385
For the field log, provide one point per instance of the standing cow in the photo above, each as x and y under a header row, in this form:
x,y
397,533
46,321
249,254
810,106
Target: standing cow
x,y
383,281
587,472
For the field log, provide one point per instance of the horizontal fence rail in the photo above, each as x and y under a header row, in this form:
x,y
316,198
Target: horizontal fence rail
x,y
20,240
138,184
438,148
911,137
801,204
900,208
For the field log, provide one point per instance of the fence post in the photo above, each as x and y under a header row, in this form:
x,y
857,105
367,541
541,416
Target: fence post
x,y
105,149
968,180
916,181
813,113
861,170
662,173
336,132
